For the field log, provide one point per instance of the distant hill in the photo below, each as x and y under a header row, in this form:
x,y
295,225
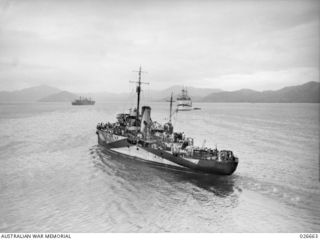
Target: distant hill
x,y
308,92
305,93
151,95
28,94
196,94
63,96
106,96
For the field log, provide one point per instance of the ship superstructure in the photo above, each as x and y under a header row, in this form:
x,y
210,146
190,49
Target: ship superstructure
x,y
135,135
83,101
184,102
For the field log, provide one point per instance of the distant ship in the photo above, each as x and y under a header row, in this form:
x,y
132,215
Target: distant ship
x,y
83,101
136,136
184,102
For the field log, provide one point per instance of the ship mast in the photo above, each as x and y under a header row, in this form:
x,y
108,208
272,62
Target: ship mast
x,y
171,101
138,90
170,116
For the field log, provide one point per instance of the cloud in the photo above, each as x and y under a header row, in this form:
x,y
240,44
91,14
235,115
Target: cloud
x,y
96,44
264,80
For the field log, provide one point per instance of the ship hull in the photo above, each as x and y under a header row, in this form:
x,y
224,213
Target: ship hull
x,y
81,104
119,145
184,108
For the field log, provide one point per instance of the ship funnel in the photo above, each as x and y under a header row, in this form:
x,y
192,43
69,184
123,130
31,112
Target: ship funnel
x,y
146,120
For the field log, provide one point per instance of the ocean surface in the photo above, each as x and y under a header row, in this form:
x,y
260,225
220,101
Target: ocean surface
x,y
55,178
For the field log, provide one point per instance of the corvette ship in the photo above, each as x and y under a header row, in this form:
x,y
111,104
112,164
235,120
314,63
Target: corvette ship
x,y
135,135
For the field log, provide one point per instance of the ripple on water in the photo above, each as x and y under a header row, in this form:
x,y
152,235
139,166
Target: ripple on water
x,y
54,177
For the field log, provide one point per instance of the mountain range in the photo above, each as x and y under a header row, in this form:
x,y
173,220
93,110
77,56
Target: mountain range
x,y
305,93
28,94
63,96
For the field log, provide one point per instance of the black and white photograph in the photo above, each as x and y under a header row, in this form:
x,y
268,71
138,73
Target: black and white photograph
x,y
159,116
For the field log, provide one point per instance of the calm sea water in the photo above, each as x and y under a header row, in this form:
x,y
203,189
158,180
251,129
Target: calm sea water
x,y
55,178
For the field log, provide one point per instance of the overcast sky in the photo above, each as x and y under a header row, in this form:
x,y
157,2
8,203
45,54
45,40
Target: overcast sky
x,y
94,45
